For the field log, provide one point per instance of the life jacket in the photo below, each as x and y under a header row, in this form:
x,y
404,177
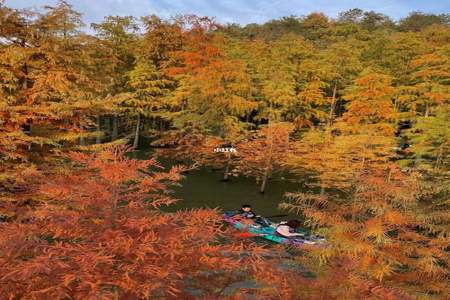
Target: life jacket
x,y
247,214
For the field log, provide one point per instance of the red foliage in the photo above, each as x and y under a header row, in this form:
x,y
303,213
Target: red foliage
x,y
100,235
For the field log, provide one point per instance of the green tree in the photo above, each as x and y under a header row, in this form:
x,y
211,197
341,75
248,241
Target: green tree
x,y
416,21
430,138
148,87
118,36
369,20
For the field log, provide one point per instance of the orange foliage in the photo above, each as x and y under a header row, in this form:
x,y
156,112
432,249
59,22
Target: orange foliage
x,y
262,155
48,89
194,148
376,240
370,99
100,234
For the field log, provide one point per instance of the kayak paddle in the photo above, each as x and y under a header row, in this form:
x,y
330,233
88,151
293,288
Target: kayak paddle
x,y
276,216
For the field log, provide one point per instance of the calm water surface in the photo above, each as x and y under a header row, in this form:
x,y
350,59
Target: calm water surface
x,y
203,188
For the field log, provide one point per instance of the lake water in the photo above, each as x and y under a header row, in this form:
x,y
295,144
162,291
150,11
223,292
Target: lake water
x,y
203,188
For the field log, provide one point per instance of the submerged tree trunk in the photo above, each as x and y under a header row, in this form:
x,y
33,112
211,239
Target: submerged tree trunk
x,y
262,189
108,126
161,126
227,169
267,169
136,133
115,131
82,139
226,173
98,138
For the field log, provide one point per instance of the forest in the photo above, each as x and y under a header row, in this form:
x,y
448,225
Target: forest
x,y
356,108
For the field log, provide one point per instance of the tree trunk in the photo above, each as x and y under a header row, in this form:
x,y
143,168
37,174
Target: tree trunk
x,y
98,138
226,173
269,160
115,131
439,157
108,126
227,169
82,139
153,124
136,134
161,126
396,105
333,105
25,71
427,110
264,181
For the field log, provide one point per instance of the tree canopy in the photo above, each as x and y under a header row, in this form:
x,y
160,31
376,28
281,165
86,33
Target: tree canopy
x,y
355,108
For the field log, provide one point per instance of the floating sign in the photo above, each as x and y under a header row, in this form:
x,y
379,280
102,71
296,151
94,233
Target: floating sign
x,y
229,149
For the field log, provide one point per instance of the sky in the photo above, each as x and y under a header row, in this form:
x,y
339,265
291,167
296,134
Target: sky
x,y
238,11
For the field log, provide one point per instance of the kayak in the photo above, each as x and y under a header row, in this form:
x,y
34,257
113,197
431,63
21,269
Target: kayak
x,y
268,232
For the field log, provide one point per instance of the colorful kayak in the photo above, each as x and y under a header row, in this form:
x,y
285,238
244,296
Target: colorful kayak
x,y
268,232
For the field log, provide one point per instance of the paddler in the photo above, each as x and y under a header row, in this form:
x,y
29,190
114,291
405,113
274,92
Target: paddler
x,y
247,212
287,229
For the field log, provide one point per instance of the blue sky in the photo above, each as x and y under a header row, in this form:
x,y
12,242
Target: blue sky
x,y
238,11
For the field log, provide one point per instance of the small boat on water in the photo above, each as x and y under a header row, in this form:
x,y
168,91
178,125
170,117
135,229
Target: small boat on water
x,y
268,232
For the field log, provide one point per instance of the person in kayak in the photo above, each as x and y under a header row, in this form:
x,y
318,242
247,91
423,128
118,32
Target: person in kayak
x,y
287,229
247,212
